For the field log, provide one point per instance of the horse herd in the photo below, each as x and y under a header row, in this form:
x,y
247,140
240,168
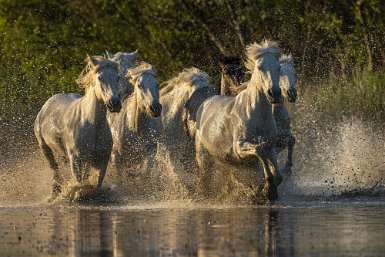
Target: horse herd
x,y
125,114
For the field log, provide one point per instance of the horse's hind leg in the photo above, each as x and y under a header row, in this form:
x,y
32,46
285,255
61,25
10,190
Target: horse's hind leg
x,y
57,179
289,161
205,167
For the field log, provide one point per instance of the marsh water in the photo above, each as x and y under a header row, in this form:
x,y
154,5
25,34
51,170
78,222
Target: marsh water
x,y
354,227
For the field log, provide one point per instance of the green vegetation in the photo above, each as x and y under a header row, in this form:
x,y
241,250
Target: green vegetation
x,y
362,95
43,44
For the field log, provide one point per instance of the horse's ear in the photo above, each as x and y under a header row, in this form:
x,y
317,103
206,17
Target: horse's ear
x,y
93,59
110,55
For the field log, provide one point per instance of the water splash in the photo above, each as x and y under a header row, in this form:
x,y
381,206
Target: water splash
x,y
332,157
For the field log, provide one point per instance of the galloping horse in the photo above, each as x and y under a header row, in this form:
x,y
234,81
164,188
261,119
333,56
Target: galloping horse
x,y
242,129
75,127
230,85
181,97
135,131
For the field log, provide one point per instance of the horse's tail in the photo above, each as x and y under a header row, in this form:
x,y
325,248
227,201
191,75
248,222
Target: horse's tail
x,y
189,113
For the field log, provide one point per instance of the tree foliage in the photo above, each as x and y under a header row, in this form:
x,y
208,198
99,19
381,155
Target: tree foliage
x,y
43,43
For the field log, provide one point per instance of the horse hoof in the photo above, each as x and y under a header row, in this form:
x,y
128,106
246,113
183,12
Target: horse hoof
x,y
270,192
277,179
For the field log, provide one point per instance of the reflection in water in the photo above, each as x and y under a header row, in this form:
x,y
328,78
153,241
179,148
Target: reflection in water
x,y
274,231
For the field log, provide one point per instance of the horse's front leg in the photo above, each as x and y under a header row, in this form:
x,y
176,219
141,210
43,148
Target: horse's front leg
x,y
270,189
102,173
289,161
76,168
271,158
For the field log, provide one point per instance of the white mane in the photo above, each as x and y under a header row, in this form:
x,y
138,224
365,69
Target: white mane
x,y
88,73
193,77
255,51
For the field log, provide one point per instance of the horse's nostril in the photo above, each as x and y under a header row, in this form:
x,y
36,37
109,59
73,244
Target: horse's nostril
x,y
116,102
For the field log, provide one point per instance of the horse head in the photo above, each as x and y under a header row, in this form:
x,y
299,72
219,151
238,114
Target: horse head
x,y
146,88
102,75
263,62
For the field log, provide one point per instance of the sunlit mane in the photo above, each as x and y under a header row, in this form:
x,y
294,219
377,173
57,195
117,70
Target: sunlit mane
x,y
140,68
255,51
287,69
191,76
88,74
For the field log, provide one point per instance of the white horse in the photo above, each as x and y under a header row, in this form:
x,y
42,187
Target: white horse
x,y
287,82
242,129
135,130
181,97
125,62
75,128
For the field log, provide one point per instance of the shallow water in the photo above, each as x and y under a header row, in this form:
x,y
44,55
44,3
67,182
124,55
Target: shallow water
x,y
310,228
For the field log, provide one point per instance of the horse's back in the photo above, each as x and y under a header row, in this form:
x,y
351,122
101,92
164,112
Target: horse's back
x,y
196,99
51,114
216,106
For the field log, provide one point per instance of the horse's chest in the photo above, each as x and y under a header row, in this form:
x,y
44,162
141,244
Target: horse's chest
x,y
93,142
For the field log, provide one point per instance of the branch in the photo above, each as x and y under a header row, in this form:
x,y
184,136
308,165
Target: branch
x,y
197,20
235,23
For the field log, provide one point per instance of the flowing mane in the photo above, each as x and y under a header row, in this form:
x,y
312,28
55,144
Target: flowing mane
x,y
87,75
191,76
140,68
255,51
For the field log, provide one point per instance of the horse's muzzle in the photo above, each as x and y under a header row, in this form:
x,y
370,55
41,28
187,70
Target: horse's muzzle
x,y
274,97
292,95
114,105
156,109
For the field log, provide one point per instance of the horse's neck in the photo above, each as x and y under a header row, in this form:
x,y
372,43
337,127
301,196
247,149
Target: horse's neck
x,y
256,102
93,110
175,104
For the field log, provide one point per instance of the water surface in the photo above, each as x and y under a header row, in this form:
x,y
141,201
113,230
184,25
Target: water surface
x,y
310,228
